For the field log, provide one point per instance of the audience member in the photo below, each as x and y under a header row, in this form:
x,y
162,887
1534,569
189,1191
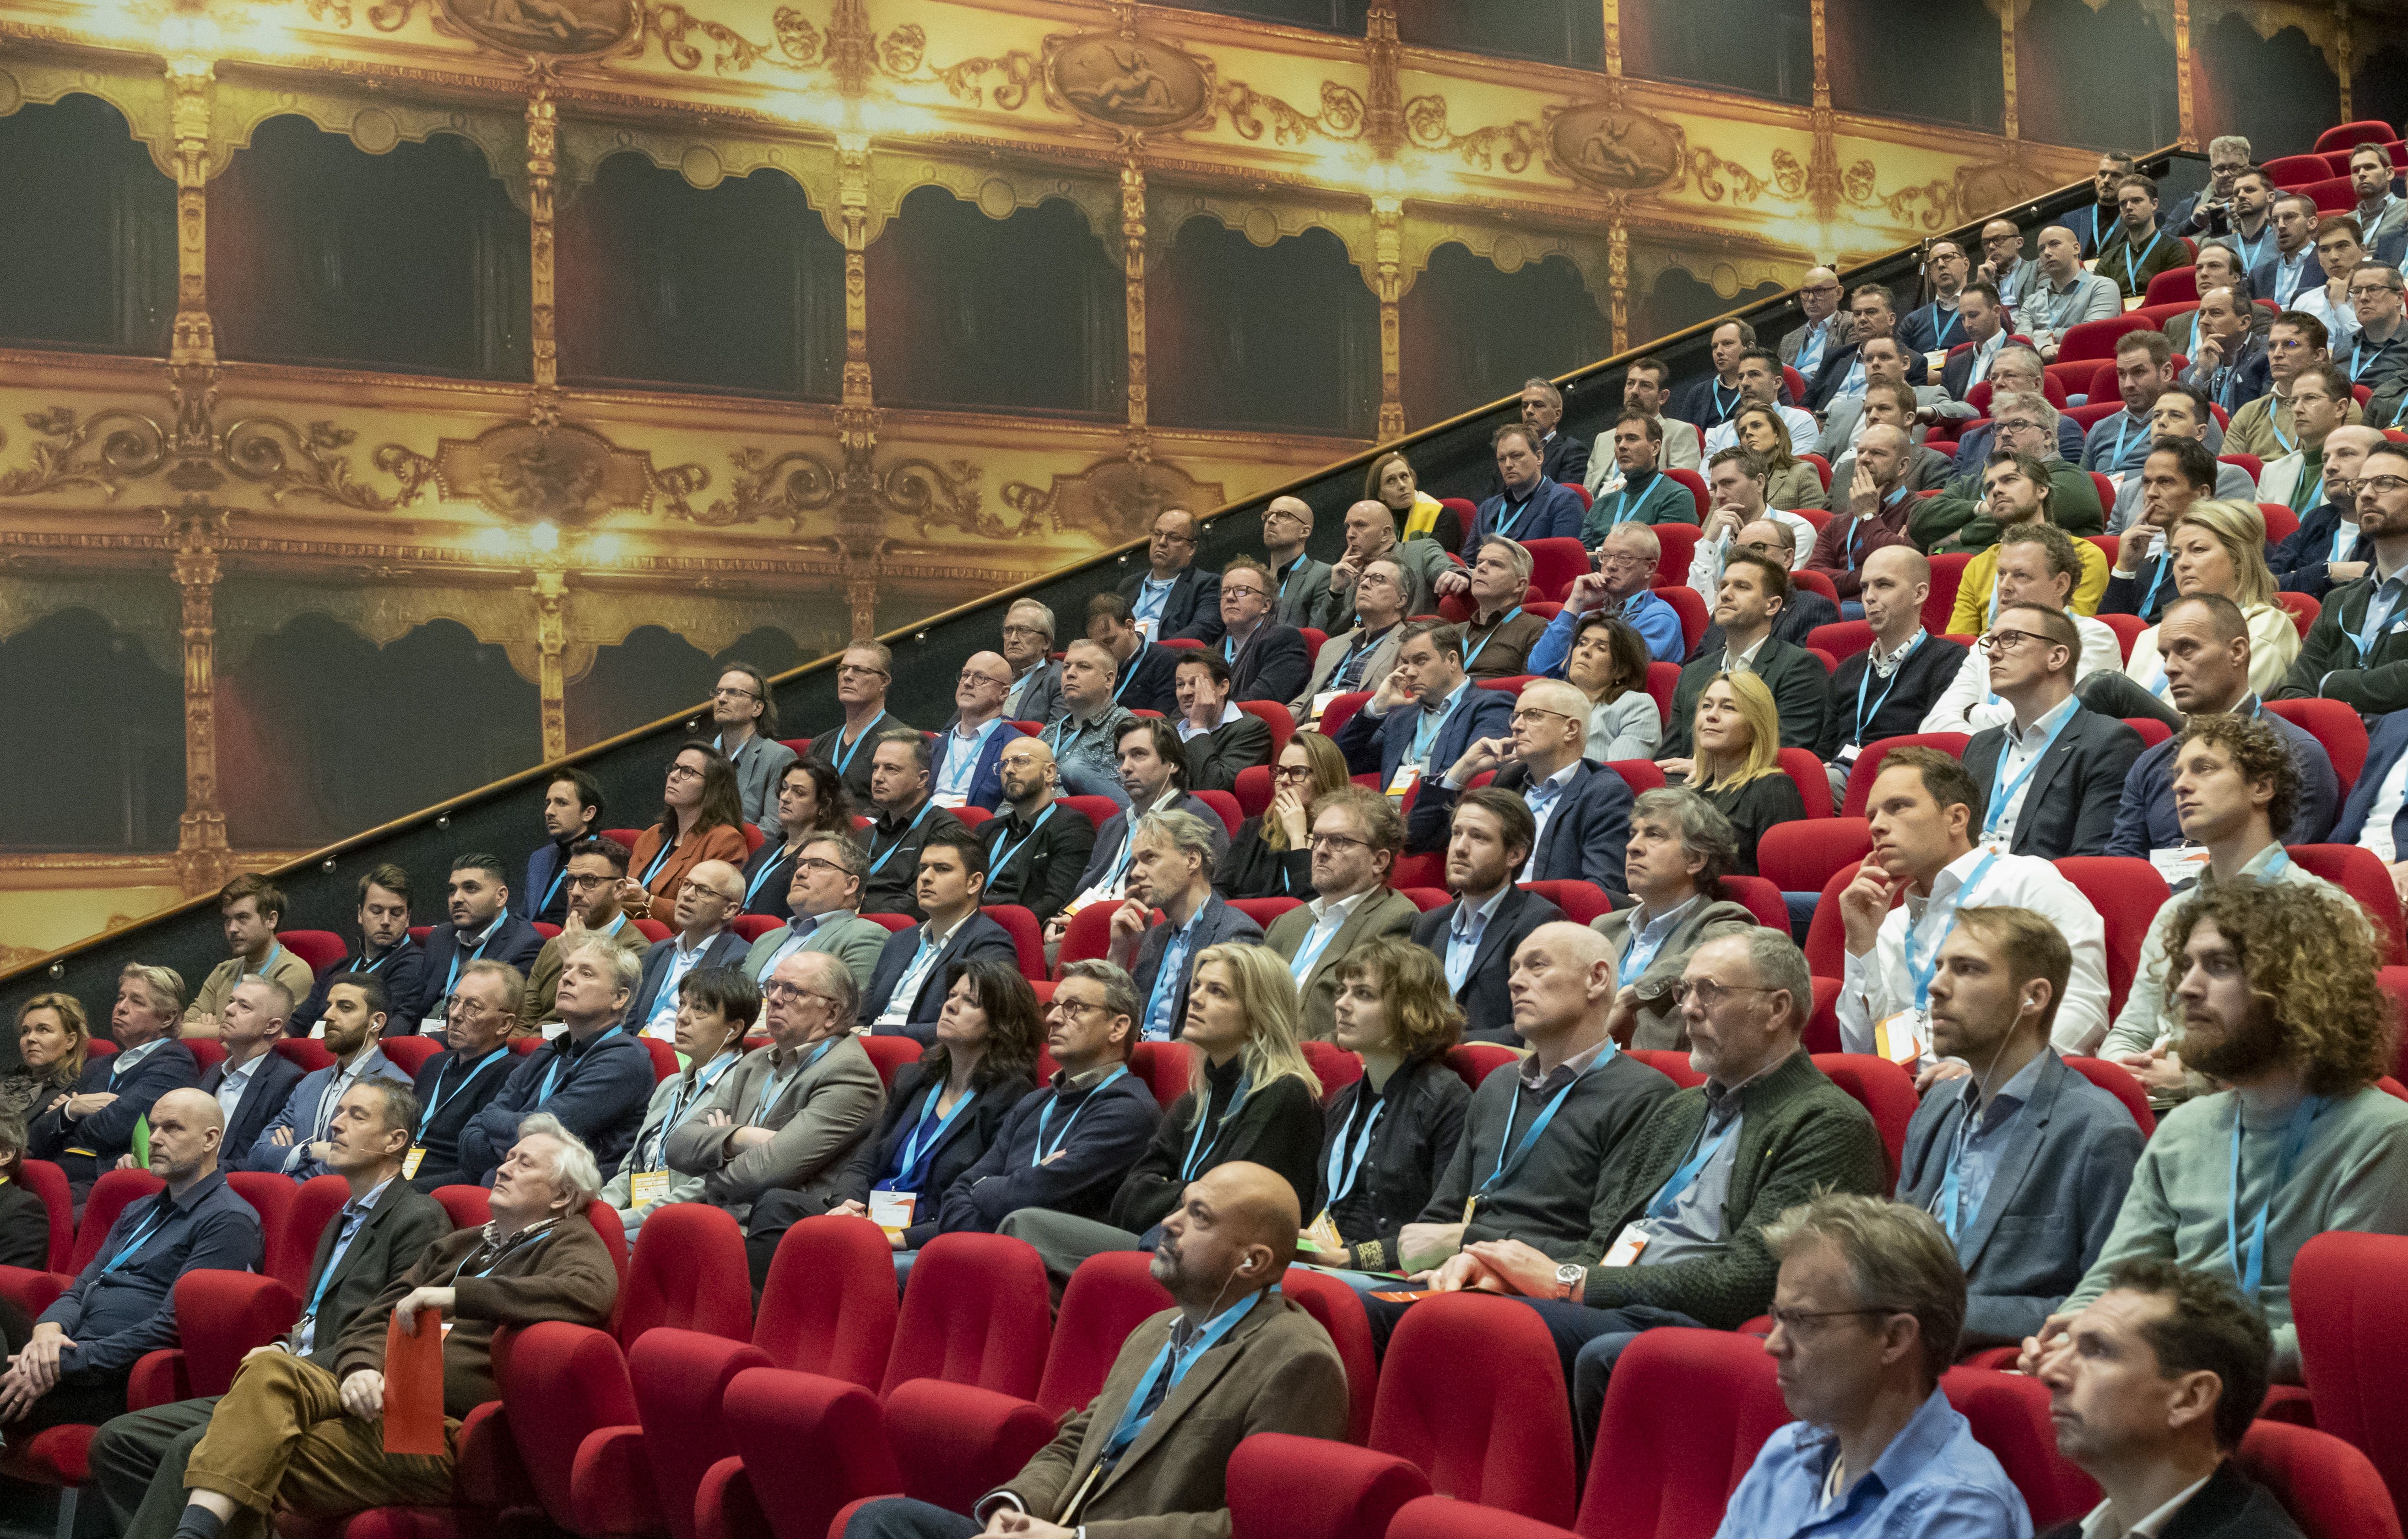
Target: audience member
x,y
1356,837
812,801
1937,325
2036,564
1866,1316
2227,359
1736,481
1801,611
862,677
2118,443
2004,266
2340,252
1647,494
1171,868
595,869
1142,667
1173,598
252,1083
706,905
2017,491
294,1143
1269,1367
2276,986
1036,846
2291,266
1371,536
1490,838
2180,416
905,820
1646,387
1710,402
291,1437
2056,769
905,993
594,1077
1036,678
2138,248
75,1366
2017,370
457,1084
2095,225
2209,210
1266,654
2378,357
1582,810
89,1129
1413,513
386,949
2218,267
745,718
2347,650
1153,778
1619,591
251,907
825,900
2326,547
572,812
1530,507
1983,322
1084,739
1754,590
25,1217
2297,479
1367,651
1760,383
53,1040
1402,746
1872,312
1271,857
962,762
1828,327
2061,296
1219,740
1564,457
701,819
1681,847
2381,215
1735,759
1874,515
1609,666
2217,549
1887,688
2263,427
1788,481
1296,580
1891,403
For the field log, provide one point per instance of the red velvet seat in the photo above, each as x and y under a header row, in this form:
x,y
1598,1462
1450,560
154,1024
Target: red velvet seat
x,y
112,1194
688,1270
1947,575
1841,640
2010,1416
891,1053
1883,1089
1471,1392
1274,715
762,1488
1475,1061
828,1306
1254,790
409,1053
1699,500
1333,1066
1827,941
2128,629
976,1311
1640,775
1556,564
2361,874
1804,854
2329,1487
305,1053
293,1244
220,1315
50,1183
1686,603
1869,764
1028,937
1162,1065
1579,901
1340,1311
1814,582
1760,898
1282,1487
561,1384
1813,781
1224,807
1684,1415
1088,937
645,1477
270,1195
468,1207
318,949
2097,339
2352,1322
665,1059
2339,729
2175,286
1427,869
2117,1081
1264,910
2128,892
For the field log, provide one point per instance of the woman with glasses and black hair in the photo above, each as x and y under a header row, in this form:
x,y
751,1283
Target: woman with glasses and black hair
x,y
716,1006
1271,857
702,819
812,801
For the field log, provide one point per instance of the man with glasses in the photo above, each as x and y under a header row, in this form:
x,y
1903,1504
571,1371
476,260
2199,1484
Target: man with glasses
x,y
2327,548
2017,491
1401,746
2016,370
1356,837
1675,1235
1296,580
2209,210
2056,771
1936,327
1958,519
1352,657
294,1143
2003,266
1171,868
2033,563
1036,846
1371,536
1173,599
595,870
1084,734
706,903
2364,626
1264,655
1036,688
2263,427
1624,583
2378,355
457,1083
825,898
745,721
906,816
1827,326
1582,810
862,675
595,1076
962,763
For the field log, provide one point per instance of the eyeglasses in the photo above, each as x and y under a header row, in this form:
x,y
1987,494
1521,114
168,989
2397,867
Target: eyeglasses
x,y
968,677
580,883
1293,772
1278,513
683,772
853,671
1164,537
723,692
779,993
1076,1008
2017,424
1819,289
1242,589
1528,711
1795,1321
2382,486
1021,633
734,900
1709,993
1999,641
812,863
1337,841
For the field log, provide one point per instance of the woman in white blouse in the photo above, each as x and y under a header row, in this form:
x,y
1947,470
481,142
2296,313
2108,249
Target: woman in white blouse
x,y
2219,547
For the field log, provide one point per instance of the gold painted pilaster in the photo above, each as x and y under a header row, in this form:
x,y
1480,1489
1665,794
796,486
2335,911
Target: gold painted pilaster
x,y
2184,95
1133,254
2344,44
542,137
189,89
1617,274
1388,221
2013,120
1823,171
552,639
202,861
860,523
1612,16
1384,100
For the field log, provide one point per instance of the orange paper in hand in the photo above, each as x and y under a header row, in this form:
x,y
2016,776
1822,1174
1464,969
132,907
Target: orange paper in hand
x,y
413,1387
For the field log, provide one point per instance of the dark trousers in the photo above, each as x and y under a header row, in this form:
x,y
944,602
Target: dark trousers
x,y
901,1517
138,1460
1591,1342
87,1395
2116,694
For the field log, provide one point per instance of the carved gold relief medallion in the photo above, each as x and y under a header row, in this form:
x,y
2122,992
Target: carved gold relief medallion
x,y
561,28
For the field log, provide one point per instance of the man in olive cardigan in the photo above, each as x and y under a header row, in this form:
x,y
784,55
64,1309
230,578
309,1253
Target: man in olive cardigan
x,y
1677,1232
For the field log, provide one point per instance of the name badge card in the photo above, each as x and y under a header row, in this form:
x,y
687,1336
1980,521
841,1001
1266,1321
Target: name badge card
x,y
1627,1247
649,1185
892,1210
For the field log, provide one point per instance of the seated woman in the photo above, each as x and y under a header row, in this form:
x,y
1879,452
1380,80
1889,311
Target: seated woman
x,y
702,819
1271,856
2218,548
1737,767
1419,515
1387,1135
942,1112
25,1217
53,1038
1609,664
812,801
716,1006
1790,482
1251,1096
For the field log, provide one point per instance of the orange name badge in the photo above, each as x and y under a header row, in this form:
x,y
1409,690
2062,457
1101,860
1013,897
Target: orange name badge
x,y
1627,1247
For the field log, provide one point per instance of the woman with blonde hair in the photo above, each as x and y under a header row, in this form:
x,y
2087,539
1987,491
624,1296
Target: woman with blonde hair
x,y
53,1038
1790,482
1737,767
1271,857
1390,1134
1419,515
2219,547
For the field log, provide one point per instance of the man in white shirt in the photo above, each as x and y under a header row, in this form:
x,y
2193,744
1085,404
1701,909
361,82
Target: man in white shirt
x,y
1736,479
1035,679
2065,296
1923,808
964,772
1759,382
1826,331
907,992
2037,563
2292,265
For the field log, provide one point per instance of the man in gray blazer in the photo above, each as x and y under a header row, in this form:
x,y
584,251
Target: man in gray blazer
x,y
1370,535
1035,690
1297,580
824,896
1360,658
1356,837
746,719
786,1116
1171,868
1681,847
2030,1193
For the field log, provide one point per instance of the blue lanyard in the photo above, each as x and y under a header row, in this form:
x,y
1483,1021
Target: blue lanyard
x,y
1939,332
920,1151
362,964
1667,1199
2248,247
1857,529
2249,1270
1041,1154
1003,856
1949,1184
2131,276
682,1105
2002,790
2356,351
274,950
1422,744
1165,977
842,755
1922,971
900,837
492,1056
1342,1171
2149,599
772,1089
1506,527
2097,240
557,877
1894,674
142,1234
1195,1145
543,1093
453,977
1722,412
762,874
1473,656
2372,623
668,848
1507,1169
2121,428
333,1260
1133,1417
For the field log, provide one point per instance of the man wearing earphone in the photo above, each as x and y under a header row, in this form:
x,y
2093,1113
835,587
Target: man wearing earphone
x,y
1150,1453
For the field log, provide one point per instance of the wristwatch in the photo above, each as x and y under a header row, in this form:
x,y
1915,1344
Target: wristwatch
x,y
1568,1279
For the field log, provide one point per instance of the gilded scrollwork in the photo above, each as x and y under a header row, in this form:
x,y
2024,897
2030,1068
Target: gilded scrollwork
x,y
1340,118
1716,179
671,23
309,462
1857,184
767,489
385,15
945,496
1511,145
104,451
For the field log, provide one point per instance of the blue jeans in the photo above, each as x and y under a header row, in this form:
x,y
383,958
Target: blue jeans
x,y
901,1517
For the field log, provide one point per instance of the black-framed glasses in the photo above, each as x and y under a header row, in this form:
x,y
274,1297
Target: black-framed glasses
x,y
579,882
1337,841
1999,641
723,692
1293,772
968,677
1527,711
1709,994
684,771
778,991
853,670
1076,1008
2382,486
1167,536
812,863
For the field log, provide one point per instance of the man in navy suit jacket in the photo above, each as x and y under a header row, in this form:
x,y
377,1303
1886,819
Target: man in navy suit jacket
x,y
1582,810
1490,839
1449,712
85,1139
1266,661
906,992
1531,507
978,736
2292,269
1173,598
2386,743
1171,869
249,1029
708,902
480,927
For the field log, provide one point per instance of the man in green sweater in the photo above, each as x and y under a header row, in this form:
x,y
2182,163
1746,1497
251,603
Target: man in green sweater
x,y
2274,989
1676,1234
1955,518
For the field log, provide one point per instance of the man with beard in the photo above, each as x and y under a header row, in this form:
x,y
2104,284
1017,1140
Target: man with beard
x,y
2275,985
295,1143
1143,1459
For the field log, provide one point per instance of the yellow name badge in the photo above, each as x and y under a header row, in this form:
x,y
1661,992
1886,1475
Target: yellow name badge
x,y
1901,1038
892,1210
1407,777
1325,1236
410,1162
649,1185
1627,1247
1321,705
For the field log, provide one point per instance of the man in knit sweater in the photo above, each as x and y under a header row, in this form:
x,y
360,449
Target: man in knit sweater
x,y
1676,1234
2273,986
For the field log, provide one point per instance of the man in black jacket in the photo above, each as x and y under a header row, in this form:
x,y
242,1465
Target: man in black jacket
x,y
385,950
2056,770
454,1086
907,991
1755,592
1171,868
252,1083
138,1459
1886,689
1144,680
1267,659
2352,651
1475,937
1221,739
1173,598
1036,846
905,818
479,928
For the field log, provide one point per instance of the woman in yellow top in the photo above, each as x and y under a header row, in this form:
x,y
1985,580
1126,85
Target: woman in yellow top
x,y
1419,514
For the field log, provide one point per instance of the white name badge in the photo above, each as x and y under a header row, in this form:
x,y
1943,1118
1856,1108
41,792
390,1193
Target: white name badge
x,y
434,1026
2180,867
892,1210
952,800
661,1032
648,1186
1321,705
1144,631
1407,776
1627,1247
1901,1038
893,1017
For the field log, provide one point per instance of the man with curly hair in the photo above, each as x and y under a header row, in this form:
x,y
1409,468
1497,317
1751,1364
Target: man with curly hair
x,y
2274,984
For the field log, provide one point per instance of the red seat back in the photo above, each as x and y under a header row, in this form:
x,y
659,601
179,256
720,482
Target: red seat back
x,y
1340,711
50,1183
680,1380
1813,781
1556,564
307,1054
409,1053
1333,1066
270,1195
1579,901
2128,892
1841,640
1282,1487
1027,939
221,1315
2349,136
1827,936
2117,1081
1163,1066
561,1383
772,1418
2329,1487
665,1059
1761,898
1673,589
293,1244
1801,855
2352,1322
1109,1296
976,1311
317,949
1640,775
1684,1415
688,1270
2010,1416
112,1194
828,1305
2175,286
1869,764
1473,1062
1947,575
1264,910
1224,807
1254,790
2361,874
1089,936
1671,1064
1471,1392
2339,729
1883,1089
469,1207
1340,1313
2090,340
890,1054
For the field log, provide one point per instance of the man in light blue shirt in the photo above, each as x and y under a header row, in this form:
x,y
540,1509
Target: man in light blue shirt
x,y
1622,585
1865,1319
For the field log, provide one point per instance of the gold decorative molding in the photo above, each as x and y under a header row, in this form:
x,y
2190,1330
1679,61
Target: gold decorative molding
x,y
374,121
1511,145
1114,500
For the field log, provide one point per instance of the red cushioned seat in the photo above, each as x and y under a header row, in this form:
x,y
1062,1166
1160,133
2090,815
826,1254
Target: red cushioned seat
x,y
560,1384
2090,340
1109,1296
653,930
1427,869
688,1270
828,1305
1684,1415
645,1477
665,1059
1471,1392
754,926
317,949
2352,1322
1282,1487
307,1054
1947,574
1814,582
219,1318
1813,781
1687,604
1340,711
976,1311
1226,806
1473,1062
1088,938
2329,1487
2128,629
1883,1089
1842,640
1264,910
468,1207
890,1054
50,1183
1804,854
2349,135
1428,899
1254,790
2291,172
772,1416
409,1053
1670,1064
1827,941
2117,1081
954,1443
2340,731
1274,715
971,817
1331,1064
112,1194
2128,892
1556,564
1759,898
1822,1033
1640,775
2361,874
1163,1066
1339,1312
270,1195
2010,1416
1579,901
1028,937
2175,286
1869,763
293,1244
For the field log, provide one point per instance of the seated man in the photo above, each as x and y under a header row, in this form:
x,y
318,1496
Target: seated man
x,y
2265,427
478,926
294,1143
1489,837
2205,644
2037,562
2115,445
1297,580
2063,296
1756,590
252,906
1675,1235
1959,518
385,949
776,1128
1681,847
708,902
2363,630
1356,837
1760,384
594,871
1266,657
1134,1463
1402,746
1498,638
457,1084
1582,810
2017,494
2151,1388
1711,399
1738,489
594,1077
2326,548
2275,983
862,677
1563,457
744,730
2228,357
84,1345
1036,678
2057,770
1872,515
908,990
962,762
293,1437
89,1129
1975,346
1923,809
1036,846
1172,597
1866,1316
1153,778
1142,669
1890,402
138,1460
906,817
2138,248
2235,779
1623,586
572,812
1371,536
1802,613
1886,689
253,1081
2179,413
1530,507
1220,739
1067,1147
1084,732
2017,371
825,900
1846,374
1645,495
1171,868
2022,1160
2377,357
1352,660
1826,329
1646,387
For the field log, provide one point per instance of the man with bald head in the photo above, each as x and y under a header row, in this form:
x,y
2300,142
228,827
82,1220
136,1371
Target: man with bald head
x,y
1359,657
1036,846
75,1365
2065,295
961,760
1885,689
1582,809
1873,515
1371,536
2326,548
707,904
1826,329
1297,580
